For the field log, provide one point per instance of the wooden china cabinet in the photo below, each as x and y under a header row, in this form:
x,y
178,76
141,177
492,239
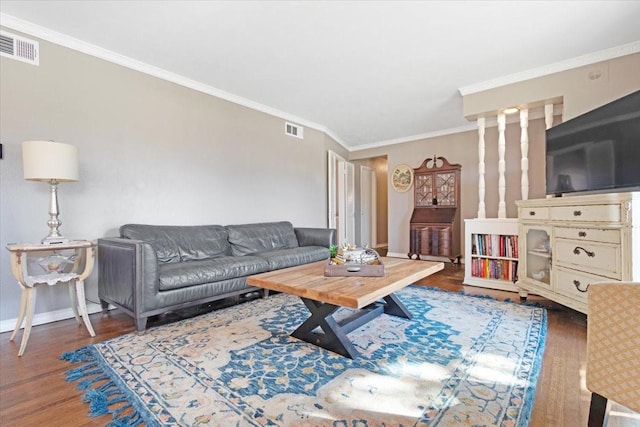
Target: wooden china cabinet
x,y
435,222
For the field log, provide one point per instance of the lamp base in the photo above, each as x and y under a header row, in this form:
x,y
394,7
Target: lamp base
x,y
54,237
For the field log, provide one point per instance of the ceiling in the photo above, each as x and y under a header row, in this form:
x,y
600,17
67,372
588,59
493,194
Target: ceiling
x,y
367,73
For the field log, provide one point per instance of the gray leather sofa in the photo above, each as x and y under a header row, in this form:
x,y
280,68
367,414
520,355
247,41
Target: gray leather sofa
x,y
152,269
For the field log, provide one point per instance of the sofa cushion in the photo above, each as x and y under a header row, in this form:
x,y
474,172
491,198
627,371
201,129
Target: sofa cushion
x,y
283,258
157,236
190,273
203,242
174,243
251,238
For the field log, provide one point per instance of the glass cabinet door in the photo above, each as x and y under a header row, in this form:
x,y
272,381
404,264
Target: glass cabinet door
x,y
424,190
446,188
537,254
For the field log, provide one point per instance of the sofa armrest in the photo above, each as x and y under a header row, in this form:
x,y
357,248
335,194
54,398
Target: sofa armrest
x,y
127,274
315,236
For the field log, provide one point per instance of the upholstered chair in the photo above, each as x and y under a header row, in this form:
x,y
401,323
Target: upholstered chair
x,y
613,347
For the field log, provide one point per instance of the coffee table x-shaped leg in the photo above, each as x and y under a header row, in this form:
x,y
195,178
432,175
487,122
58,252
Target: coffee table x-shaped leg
x,y
334,333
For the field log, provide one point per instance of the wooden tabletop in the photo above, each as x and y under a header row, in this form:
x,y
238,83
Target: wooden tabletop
x,y
309,281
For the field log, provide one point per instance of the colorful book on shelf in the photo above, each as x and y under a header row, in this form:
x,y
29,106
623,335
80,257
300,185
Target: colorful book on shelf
x,y
503,246
499,269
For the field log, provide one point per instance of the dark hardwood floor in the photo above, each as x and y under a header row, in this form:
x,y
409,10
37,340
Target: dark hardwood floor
x,y
33,391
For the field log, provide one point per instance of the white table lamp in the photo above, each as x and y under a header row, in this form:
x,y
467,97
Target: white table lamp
x,y
51,162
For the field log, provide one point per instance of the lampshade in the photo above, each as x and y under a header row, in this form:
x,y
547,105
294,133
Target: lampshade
x,y
48,160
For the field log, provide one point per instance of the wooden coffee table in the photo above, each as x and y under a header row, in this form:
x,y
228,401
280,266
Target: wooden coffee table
x,y
323,296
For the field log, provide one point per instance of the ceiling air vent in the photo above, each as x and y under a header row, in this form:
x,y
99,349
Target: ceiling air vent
x,y
294,130
19,48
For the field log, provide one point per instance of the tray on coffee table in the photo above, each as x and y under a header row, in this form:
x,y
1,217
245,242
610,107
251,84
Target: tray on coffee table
x,y
365,263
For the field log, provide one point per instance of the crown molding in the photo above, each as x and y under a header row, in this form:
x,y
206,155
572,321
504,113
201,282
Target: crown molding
x,y
412,138
580,61
64,40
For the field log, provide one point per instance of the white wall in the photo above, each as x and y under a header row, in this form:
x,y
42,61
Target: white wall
x,y
150,152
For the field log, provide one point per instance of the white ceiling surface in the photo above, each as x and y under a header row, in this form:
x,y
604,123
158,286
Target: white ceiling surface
x,y
368,73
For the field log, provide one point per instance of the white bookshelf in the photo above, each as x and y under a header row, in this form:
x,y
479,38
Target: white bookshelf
x,y
491,249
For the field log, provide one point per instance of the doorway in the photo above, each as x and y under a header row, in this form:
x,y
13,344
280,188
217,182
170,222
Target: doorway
x,y
341,195
371,203
368,211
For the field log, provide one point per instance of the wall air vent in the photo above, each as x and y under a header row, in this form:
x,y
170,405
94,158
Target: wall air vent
x,y
294,130
19,48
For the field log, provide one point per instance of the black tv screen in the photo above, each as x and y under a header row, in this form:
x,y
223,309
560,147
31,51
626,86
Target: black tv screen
x,y
597,151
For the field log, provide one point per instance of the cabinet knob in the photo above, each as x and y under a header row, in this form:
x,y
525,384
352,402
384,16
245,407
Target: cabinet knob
x,y
582,234
577,213
576,283
532,213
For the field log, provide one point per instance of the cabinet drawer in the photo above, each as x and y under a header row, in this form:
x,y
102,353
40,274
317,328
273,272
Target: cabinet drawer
x,y
574,284
586,213
534,213
590,234
591,257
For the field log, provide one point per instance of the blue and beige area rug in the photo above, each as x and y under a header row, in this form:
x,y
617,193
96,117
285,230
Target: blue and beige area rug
x,y
461,361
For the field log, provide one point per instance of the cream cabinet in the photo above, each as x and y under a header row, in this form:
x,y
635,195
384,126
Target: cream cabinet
x,y
567,243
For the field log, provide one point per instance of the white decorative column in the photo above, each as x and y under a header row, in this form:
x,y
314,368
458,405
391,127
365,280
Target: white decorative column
x,y
502,186
548,115
481,185
524,148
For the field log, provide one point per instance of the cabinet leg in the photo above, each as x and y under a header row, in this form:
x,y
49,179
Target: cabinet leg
x,y
523,294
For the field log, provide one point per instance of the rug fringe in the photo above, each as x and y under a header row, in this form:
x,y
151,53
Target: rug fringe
x,y
104,396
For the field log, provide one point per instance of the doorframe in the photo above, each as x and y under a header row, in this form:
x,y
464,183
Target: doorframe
x,y
373,204
340,194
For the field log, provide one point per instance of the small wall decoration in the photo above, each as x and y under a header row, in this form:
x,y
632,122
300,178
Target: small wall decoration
x,y
402,178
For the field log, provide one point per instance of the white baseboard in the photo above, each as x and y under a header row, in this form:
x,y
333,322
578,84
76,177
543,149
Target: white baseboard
x,y
48,317
396,255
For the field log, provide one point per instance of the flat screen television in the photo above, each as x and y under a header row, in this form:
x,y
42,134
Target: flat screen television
x,y
598,151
